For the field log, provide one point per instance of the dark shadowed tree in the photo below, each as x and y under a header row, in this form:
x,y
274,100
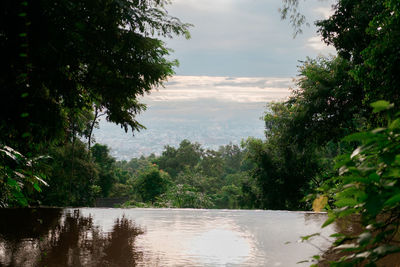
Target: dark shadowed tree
x,y
106,166
62,56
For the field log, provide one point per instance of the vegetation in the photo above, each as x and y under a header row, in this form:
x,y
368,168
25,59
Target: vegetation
x,y
333,101
75,62
65,64
367,185
188,177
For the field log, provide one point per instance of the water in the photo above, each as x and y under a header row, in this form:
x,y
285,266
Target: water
x,y
158,237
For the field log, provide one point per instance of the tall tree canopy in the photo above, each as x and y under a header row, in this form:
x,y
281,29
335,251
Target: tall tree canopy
x,y
62,57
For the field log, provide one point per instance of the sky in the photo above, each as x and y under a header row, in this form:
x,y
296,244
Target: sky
x,y
240,57
244,38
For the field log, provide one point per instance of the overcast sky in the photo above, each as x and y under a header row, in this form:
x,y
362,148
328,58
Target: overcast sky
x,y
244,38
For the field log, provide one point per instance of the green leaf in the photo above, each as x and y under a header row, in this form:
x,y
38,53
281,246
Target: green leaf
x,y
307,237
24,115
358,136
37,187
380,105
394,173
329,221
374,177
21,199
395,124
336,235
12,182
393,200
346,202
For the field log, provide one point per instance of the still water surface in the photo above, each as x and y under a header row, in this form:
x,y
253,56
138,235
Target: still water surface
x,y
158,237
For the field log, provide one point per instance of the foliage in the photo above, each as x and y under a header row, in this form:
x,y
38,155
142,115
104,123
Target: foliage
x,y
64,63
368,187
151,183
72,176
18,177
367,32
77,55
303,133
203,178
297,20
174,160
106,176
184,196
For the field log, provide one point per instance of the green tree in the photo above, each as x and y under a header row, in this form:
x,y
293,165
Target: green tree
x,y
106,166
232,156
64,59
60,57
151,183
185,196
211,163
367,33
71,177
174,160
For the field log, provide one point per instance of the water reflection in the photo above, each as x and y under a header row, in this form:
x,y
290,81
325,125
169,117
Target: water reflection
x,y
51,237
157,237
221,247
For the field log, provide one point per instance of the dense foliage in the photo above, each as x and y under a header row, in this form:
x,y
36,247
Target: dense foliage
x,y
315,120
190,177
203,178
367,186
65,63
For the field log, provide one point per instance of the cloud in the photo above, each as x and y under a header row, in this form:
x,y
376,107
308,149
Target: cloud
x,y
317,44
230,89
325,12
242,37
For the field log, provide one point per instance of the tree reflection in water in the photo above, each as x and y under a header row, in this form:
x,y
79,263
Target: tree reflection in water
x,y
50,237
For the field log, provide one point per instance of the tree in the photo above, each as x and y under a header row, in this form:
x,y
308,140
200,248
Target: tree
x,y
71,177
305,129
64,59
185,196
151,183
175,160
60,57
106,166
326,105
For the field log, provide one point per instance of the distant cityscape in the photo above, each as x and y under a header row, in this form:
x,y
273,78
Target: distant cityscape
x,y
211,124
212,111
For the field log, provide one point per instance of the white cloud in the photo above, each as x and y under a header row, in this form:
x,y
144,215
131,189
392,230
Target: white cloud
x,y
317,44
325,12
237,89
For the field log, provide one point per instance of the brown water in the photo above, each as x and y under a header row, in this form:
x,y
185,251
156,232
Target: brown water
x,y
157,237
